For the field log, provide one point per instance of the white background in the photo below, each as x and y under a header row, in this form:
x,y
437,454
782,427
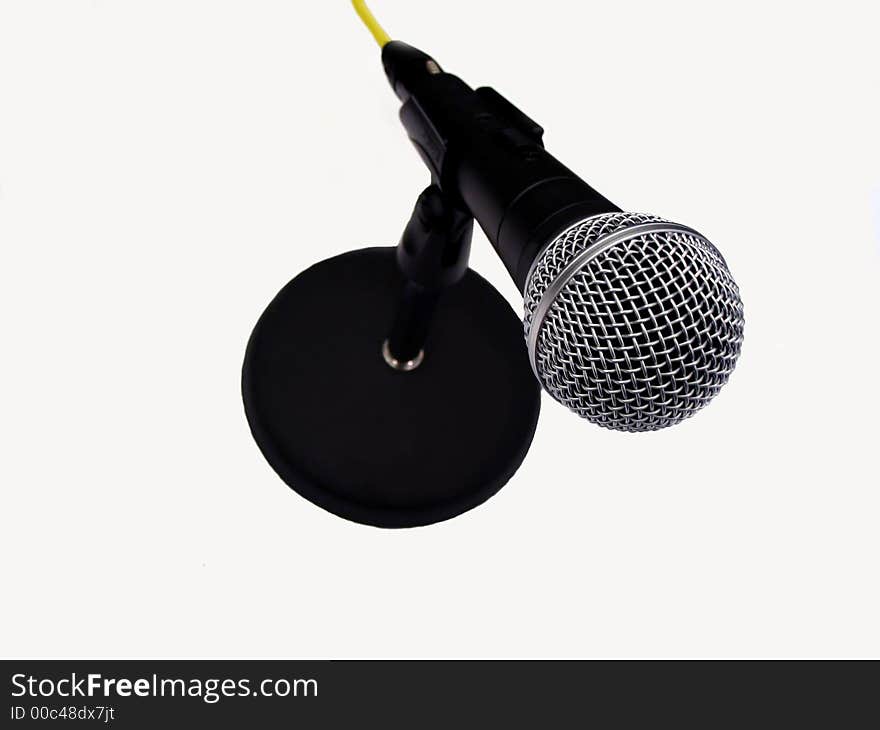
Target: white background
x,y
167,165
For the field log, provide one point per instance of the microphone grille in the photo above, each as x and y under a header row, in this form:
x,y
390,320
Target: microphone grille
x,y
632,321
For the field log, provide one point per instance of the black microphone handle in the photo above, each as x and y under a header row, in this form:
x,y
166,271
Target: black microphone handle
x,y
523,199
482,149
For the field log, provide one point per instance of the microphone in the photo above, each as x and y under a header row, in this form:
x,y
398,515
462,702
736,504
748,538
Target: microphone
x,y
631,321
396,387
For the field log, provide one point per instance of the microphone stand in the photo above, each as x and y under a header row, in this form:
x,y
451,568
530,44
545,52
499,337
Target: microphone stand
x,y
391,386
432,256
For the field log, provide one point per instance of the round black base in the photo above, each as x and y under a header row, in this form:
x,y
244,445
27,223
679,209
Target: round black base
x,y
373,444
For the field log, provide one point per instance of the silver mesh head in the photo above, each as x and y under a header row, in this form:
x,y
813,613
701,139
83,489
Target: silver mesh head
x,y
631,321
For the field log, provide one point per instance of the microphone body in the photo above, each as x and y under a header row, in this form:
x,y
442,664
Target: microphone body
x,y
631,321
482,149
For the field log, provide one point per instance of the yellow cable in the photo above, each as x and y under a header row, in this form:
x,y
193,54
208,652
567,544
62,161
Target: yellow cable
x,y
372,24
